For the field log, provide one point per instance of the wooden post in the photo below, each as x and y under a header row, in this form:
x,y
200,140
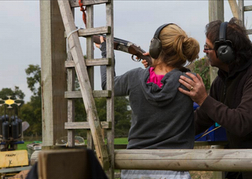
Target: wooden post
x,y
216,12
53,73
84,81
110,85
90,55
234,8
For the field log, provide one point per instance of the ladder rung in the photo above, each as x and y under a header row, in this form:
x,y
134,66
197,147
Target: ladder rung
x,y
96,93
94,31
249,31
93,62
75,3
247,8
85,125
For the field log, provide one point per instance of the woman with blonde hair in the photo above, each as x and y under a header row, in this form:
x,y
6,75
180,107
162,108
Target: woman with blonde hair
x,y
162,117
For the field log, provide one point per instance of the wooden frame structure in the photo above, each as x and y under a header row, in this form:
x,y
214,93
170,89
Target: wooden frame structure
x,y
57,94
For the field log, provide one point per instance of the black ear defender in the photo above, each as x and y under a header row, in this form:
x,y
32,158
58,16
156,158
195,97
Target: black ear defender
x,y
223,47
156,45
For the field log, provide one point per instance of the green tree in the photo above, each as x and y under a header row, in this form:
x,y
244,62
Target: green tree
x,y
31,111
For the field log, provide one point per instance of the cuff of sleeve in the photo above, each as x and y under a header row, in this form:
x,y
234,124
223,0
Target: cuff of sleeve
x,y
208,105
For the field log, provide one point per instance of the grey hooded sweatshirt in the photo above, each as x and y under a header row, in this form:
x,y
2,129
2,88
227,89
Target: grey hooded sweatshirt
x,y
162,118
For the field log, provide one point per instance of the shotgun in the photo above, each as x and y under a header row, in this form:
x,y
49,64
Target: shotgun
x,y
128,47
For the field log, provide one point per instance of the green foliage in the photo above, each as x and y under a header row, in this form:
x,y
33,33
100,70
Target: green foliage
x,y
121,111
33,79
31,111
201,67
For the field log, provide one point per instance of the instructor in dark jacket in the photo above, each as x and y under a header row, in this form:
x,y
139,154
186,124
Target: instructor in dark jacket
x,y
230,100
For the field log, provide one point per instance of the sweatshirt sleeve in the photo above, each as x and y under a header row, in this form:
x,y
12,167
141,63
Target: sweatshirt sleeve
x,y
238,120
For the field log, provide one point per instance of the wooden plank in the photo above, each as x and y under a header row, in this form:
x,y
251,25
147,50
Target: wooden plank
x,y
185,159
53,73
216,10
75,3
248,8
85,125
85,86
96,93
110,84
70,102
14,158
90,55
241,10
92,62
249,31
234,8
94,31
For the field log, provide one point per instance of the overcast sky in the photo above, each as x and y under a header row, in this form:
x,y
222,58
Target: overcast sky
x,y
135,21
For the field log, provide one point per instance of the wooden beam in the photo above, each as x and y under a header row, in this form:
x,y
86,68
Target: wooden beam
x,y
94,31
110,84
96,93
84,81
85,125
185,159
248,8
93,62
53,73
234,8
216,10
75,3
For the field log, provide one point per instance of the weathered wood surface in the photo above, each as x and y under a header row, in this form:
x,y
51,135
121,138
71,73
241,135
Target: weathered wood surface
x,y
53,73
234,8
110,84
84,81
70,101
94,31
93,62
75,3
248,8
186,159
96,93
216,10
85,125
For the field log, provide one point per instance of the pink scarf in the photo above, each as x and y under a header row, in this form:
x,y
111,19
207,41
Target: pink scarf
x,y
154,78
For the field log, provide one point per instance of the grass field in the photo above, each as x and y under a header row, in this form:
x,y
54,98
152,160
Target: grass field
x,y
116,141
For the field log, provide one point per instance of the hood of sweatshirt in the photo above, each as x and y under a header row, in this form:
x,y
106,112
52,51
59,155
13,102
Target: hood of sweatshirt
x,y
162,96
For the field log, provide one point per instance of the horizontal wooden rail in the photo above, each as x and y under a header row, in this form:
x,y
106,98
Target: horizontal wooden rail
x,y
249,31
93,62
85,125
75,3
186,159
94,31
96,93
247,8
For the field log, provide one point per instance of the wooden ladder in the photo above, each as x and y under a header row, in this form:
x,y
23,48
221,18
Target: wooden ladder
x,y
85,72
